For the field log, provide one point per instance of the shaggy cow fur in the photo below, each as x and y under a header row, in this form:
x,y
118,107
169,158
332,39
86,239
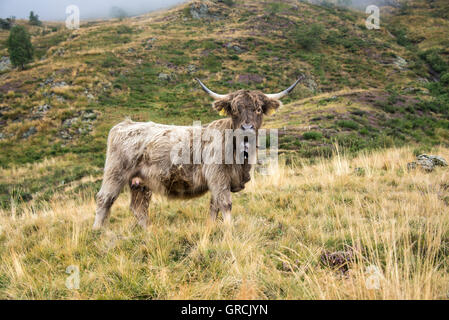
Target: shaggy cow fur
x,y
138,154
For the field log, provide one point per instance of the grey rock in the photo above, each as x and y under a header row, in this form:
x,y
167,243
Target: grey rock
x,y
65,135
235,47
39,111
29,132
311,84
412,165
423,80
59,98
148,43
5,64
427,162
89,116
43,108
199,11
69,122
60,52
59,84
164,76
401,63
436,160
191,68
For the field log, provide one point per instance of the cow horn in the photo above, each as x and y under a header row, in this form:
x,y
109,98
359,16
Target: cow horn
x,y
282,94
214,95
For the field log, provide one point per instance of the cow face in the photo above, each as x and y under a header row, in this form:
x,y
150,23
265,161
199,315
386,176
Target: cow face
x,y
247,108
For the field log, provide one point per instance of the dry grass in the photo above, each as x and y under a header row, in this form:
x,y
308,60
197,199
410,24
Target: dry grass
x,y
396,220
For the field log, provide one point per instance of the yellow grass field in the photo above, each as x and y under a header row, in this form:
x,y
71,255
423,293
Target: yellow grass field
x,y
396,221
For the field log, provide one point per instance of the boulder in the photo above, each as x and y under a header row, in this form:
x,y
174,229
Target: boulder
x,y
29,132
199,11
436,160
399,62
5,64
427,162
191,68
59,84
43,108
164,76
311,84
89,116
235,47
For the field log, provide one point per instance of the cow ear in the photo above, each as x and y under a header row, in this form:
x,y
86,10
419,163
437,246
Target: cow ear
x,y
270,106
223,106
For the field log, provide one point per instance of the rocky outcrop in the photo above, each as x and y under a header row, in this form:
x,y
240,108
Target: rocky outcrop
x,y
164,76
203,10
80,123
5,64
427,163
29,132
400,62
199,11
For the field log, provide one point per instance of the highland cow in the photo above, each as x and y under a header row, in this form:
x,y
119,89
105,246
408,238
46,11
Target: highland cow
x,y
140,154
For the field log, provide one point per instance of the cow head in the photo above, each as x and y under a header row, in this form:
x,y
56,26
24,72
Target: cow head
x,y
247,108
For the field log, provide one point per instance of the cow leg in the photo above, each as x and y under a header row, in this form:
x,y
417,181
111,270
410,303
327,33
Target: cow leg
x,y
223,202
140,199
213,211
110,189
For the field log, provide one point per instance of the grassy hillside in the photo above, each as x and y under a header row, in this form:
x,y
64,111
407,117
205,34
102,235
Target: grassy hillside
x,y
364,90
395,221
359,92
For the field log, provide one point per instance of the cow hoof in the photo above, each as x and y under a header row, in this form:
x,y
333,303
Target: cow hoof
x,y
96,226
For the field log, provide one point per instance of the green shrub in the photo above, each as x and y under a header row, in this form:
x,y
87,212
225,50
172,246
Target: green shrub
x,y
7,23
34,19
309,37
445,79
229,3
433,58
312,135
212,63
124,29
401,36
348,124
111,61
19,47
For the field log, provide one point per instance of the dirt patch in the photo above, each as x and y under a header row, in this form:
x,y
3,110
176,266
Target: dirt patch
x,y
15,86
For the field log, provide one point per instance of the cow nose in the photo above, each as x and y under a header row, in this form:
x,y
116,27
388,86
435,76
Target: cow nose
x,y
247,126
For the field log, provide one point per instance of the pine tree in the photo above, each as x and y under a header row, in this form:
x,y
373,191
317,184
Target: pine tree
x,y
19,47
34,19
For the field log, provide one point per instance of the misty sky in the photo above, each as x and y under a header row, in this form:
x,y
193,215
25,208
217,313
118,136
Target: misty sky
x,y
55,9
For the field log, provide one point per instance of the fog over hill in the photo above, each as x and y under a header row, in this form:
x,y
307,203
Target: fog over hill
x,y
89,9
358,4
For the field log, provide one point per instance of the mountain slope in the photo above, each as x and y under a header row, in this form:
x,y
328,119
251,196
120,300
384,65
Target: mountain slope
x,y
363,88
395,222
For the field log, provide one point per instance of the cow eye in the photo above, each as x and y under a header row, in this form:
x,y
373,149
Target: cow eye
x,y
259,110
